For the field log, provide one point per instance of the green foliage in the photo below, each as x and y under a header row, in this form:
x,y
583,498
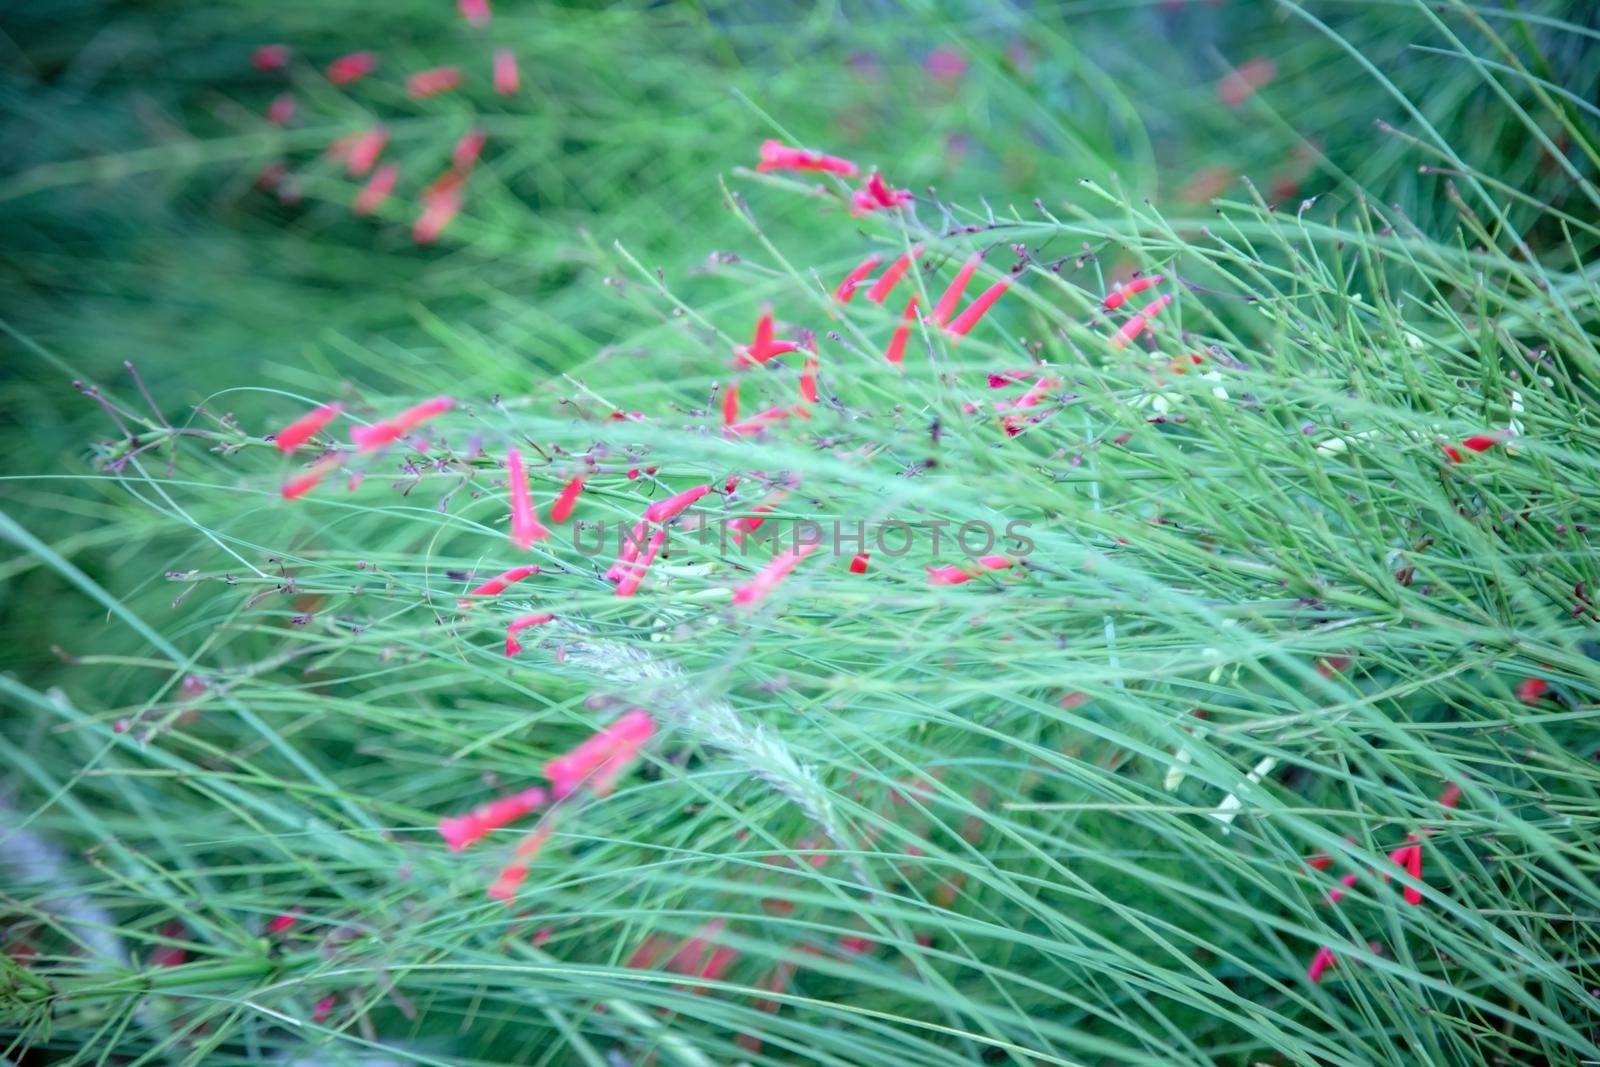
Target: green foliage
x,y
978,822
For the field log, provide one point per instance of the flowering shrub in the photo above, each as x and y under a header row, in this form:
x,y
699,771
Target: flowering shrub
x,y
1064,633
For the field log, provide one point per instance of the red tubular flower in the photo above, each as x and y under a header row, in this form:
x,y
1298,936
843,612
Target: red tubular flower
x,y
778,156
633,574
368,438
1532,690
601,759
365,150
503,581
507,80
426,83
775,571
632,545
1322,961
808,379
520,623
299,486
525,525
847,288
281,110
1241,83
353,67
513,874
377,189
954,575
896,352
305,427
562,508
891,277
270,57
465,154
1451,795
1336,895
476,12
462,830
875,196
1413,866
1135,326
1037,392
757,422
662,510
965,321
952,295
323,1009
730,404
858,565
1011,377
282,922
1119,295
1476,443
762,347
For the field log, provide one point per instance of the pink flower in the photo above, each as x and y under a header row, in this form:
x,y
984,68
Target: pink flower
x,y
1323,960
353,67
513,874
377,189
762,347
465,153
1135,326
475,12
875,196
1532,690
954,575
305,427
847,288
945,65
1241,83
633,573
896,352
952,295
525,525
858,565
323,1009
891,277
730,403
778,156
759,587
504,580
662,510
281,110
426,83
517,625
1119,294
462,830
365,150
506,78
282,922
270,57
976,310
369,438
441,203
562,508
600,761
